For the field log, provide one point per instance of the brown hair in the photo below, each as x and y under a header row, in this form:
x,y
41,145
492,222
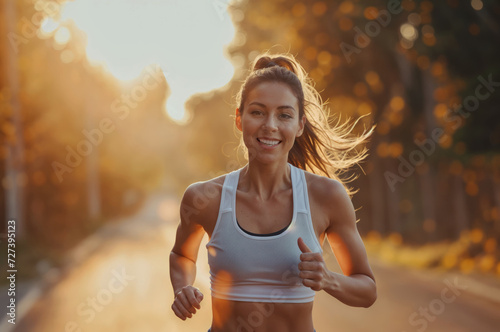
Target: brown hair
x,y
322,148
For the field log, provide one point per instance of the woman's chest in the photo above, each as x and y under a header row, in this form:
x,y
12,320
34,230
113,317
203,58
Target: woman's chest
x,y
263,217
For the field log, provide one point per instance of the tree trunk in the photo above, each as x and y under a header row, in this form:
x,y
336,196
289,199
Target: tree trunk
x,y
393,198
428,198
459,205
14,161
377,196
496,202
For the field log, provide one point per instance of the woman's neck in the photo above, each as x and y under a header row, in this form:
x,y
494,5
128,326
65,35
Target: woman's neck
x,y
265,180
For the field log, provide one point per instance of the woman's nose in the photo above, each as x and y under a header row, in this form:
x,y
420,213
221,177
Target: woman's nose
x,y
271,123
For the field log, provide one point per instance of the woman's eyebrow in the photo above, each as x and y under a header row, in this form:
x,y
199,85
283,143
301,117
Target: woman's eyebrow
x,y
257,103
286,106
264,106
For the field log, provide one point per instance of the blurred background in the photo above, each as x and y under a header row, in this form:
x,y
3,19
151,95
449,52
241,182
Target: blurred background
x,y
110,109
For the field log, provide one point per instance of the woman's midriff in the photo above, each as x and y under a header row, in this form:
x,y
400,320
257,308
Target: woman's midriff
x,y
239,316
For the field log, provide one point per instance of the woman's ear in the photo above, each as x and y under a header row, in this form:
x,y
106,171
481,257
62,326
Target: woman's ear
x,y
302,124
237,119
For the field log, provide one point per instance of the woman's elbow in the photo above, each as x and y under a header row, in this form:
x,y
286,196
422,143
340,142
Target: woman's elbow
x,y
371,296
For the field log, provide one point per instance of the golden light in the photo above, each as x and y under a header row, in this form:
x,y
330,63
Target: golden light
x,y
346,7
490,245
310,53
364,108
299,9
476,235
48,26
372,78
187,39
408,31
324,58
62,36
467,265
370,13
395,149
440,110
437,69
345,24
397,103
477,4
319,8
395,238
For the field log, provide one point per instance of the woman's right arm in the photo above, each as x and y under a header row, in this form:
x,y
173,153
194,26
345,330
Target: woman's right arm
x,y
184,254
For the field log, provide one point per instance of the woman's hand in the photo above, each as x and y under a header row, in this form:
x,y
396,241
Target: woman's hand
x,y
313,270
187,300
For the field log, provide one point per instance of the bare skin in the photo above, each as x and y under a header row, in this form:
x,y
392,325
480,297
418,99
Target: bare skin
x,y
265,182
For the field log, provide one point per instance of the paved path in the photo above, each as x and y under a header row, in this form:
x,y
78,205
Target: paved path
x,y
410,300
119,282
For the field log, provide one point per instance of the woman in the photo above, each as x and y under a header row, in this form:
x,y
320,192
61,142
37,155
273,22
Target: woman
x,y
266,221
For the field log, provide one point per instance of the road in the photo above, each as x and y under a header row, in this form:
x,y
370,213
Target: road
x,y
119,281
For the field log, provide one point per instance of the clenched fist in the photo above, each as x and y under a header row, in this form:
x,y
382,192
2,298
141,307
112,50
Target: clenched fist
x,y
187,300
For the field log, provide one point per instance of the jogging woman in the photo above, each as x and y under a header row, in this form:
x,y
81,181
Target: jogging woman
x,y
267,221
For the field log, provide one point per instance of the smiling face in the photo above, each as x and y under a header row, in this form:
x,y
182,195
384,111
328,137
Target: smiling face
x,y
270,122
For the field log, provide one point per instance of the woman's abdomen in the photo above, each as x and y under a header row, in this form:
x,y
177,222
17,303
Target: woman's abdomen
x,y
239,316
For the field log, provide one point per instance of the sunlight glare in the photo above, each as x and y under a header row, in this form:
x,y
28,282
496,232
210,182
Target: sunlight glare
x,y
48,26
186,38
62,36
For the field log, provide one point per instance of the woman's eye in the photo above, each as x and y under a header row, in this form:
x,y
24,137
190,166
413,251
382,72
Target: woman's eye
x,y
256,112
286,116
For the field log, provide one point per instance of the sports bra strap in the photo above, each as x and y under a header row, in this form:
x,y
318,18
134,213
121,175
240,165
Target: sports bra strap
x,y
228,189
301,190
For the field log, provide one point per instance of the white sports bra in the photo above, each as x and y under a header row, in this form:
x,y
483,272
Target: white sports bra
x,y
256,268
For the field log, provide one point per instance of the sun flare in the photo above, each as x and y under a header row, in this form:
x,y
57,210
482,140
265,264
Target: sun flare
x,y
186,38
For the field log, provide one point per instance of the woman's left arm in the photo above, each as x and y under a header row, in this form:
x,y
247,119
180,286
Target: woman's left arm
x,y
356,287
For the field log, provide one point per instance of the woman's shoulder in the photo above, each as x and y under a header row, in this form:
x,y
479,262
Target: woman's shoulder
x,y
204,190
322,185
201,199
326,191
331,196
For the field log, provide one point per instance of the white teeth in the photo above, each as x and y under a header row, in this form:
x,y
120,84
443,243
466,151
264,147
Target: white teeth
x,y
268,142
